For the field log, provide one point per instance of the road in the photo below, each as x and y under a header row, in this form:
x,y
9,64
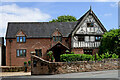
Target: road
x,y
96,74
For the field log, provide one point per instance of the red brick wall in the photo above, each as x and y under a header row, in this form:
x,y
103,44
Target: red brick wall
x,y
95,51
30,45
77,51
80,51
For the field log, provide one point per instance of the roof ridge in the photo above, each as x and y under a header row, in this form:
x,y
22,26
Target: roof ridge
x,y
36,22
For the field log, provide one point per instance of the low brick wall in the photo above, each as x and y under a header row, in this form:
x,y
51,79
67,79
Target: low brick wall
x,y
46,67
14,69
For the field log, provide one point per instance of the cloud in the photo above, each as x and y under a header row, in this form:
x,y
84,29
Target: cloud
x,y
14,13
114,5
108,14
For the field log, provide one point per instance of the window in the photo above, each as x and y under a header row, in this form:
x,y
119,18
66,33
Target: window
x,y
38,52
80,38
97,38
57,38
90,24
21,52
24,39
88,51
21,39
34,63
54,39
17,39
92,38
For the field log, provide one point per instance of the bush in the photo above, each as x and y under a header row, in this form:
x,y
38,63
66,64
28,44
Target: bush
x,y
52,58
50,53
107,55
25,62
110,42
86,57
102,56
75,57
29,62
72,52
114,56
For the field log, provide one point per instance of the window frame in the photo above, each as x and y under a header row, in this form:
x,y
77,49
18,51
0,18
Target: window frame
x,y
99,38
23,54
57,38
23,41
82,38
90,24
39,52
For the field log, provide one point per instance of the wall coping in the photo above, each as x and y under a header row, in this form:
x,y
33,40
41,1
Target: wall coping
x,y
109,59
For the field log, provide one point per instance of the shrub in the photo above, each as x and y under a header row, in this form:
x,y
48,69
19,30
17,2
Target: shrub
x,y
75,57
67,51
25,62
50,53
102,56
29,62
114,56
107,55
52,58
72,52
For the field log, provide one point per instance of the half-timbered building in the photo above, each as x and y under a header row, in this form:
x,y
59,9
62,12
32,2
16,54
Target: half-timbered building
x,y
24,39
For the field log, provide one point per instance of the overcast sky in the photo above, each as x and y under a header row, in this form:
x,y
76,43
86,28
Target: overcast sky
x,y
107,12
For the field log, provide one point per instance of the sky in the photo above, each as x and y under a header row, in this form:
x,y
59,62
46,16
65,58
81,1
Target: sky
x,y
107,12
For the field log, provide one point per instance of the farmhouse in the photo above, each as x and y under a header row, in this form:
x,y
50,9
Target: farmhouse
x,y
24,39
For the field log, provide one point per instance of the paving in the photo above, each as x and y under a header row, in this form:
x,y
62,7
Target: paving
x,y
2,74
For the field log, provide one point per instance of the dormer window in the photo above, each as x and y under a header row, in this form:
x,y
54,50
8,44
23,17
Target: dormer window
x,y
21,36
57,38
90,24
21,39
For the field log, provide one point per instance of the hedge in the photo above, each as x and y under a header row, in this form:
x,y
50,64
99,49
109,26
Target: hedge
x,y
75,57
86,57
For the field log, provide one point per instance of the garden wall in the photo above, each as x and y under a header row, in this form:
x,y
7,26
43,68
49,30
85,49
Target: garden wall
x,y
14,68
40,66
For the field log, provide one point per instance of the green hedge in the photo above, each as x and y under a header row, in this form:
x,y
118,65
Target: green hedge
x,y
75,57
86,57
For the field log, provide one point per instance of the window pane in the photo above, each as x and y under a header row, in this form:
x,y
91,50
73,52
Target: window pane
x,y
40,53
98,38
17,39
24,52
36,52
54,38
80,38
60,38
18,53
21,39
21,54
86,38
92,38
24,39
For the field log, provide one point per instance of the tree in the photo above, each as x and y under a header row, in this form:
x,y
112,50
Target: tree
x,y
64,18
110,42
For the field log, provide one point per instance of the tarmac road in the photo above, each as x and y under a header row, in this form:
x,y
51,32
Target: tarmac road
x,y
106,75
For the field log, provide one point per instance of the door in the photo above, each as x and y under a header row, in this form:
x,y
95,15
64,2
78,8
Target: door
x,y
38,52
